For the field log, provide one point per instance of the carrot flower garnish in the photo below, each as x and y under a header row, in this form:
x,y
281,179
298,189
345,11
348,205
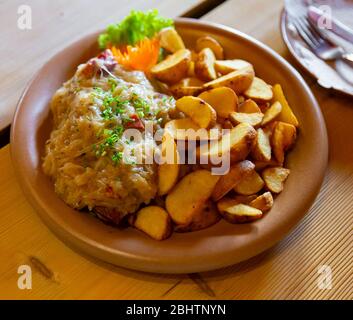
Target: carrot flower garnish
x,y
142,56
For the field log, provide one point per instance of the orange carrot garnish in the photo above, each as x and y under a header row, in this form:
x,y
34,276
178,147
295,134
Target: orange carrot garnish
x,y
142,56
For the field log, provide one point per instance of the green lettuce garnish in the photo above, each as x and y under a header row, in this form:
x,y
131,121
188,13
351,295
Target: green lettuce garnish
x,y
134,28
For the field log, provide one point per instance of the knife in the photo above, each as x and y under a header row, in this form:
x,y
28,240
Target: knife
x,y
339,28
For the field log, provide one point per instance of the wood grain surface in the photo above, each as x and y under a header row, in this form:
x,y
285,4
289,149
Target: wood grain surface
x,y
287,271
55,24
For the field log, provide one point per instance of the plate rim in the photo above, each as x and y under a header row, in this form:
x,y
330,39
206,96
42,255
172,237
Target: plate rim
x,y
73,241
292,52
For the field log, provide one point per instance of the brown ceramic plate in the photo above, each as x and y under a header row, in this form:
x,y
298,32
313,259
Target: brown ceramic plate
x,y
219,246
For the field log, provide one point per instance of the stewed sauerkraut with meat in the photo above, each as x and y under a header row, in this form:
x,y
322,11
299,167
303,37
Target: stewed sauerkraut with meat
x,y
84,155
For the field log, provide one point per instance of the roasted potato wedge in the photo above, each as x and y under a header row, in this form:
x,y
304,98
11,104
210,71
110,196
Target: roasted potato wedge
x,y
283,137
198,110
227,202
254,119
211,43
182,91
207,217
189,195
191,86
170,40
235,144
260,165
239,80
173,68
240,213
227,66
274,178
263,202
261,150
228,181
222,99
259,91
191,82
204,65
272,113
168,171
287,114
154,221
191,69
186,129
249,106
250,184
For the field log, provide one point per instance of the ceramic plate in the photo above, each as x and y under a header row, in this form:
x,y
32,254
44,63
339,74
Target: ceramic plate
x,y
336,75
219,246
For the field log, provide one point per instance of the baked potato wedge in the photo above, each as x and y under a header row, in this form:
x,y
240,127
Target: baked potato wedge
x,y
186,129
168,171
249,106
198,111
259,91
187,198
263,202
235,144
191,86
283,137
206,217
154,221
211,43
228,181
239,80
274,178
250,184
260,165
173,68
182,91
240,213
227,66
170,40
254,119
222,99
204,65
261,150
287,114
271,113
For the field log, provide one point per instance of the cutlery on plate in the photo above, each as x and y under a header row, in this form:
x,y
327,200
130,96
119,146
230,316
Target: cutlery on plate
x,y
319,45
337,27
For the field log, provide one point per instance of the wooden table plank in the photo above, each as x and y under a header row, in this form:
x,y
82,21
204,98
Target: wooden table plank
x,y
55,24
289,270
324,237
23,235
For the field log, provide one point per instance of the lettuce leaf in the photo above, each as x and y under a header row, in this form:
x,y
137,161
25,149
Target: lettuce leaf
x,y
135,27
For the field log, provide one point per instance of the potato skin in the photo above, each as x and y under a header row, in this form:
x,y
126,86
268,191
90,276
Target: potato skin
x,y
227,182
189,196
204,66
208,216
211,43
263,202
176,70
274,178
239,81
241,217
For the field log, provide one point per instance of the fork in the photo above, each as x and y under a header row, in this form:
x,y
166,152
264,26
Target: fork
x,y
324,49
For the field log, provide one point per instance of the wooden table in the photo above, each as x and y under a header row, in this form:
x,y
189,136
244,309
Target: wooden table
x,y
287,271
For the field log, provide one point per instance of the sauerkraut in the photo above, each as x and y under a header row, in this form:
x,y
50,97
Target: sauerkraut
x,y
84,155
